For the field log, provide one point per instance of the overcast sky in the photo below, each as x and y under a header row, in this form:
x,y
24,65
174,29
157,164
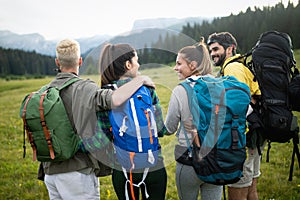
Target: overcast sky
x,y
55,19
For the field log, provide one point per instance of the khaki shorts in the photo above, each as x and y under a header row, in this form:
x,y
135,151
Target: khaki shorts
x,y
251,169
73,185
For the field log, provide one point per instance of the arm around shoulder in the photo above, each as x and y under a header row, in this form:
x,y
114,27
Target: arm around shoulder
x,y
124,92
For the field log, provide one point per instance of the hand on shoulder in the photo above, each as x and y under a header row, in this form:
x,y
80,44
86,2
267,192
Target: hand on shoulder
x,y
146,80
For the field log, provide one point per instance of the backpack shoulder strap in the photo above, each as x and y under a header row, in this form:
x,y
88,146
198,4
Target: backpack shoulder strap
x,y
189,90
240,59
69,82
237,59
296,152
243,59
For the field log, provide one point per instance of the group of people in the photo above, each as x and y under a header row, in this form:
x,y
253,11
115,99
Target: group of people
x,y
88,106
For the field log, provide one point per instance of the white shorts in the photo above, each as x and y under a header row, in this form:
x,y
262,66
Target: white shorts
x,y
251,169
73,185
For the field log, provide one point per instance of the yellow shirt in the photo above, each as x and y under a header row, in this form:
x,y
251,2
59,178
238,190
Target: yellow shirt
x,y
242,73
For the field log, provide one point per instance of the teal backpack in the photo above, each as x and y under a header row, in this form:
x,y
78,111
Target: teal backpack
x,y
218,107
49,130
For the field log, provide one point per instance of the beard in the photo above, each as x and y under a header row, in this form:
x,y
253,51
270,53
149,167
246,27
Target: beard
x,y
220,60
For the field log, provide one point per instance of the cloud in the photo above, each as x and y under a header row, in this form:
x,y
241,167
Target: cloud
x,y
85,18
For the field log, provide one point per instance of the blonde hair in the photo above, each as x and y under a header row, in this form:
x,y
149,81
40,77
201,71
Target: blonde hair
x,y
68,53
200,54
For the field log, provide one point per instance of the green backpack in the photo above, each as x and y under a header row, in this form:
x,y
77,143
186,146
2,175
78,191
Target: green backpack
x,y
48,127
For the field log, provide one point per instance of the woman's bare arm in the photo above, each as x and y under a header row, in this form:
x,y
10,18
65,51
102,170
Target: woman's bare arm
x,y
124,92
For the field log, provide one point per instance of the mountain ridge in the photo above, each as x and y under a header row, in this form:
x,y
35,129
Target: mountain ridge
x,y
138,36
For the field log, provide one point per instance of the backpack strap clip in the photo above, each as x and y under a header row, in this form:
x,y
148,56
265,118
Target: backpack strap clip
x,y
234,132
130,181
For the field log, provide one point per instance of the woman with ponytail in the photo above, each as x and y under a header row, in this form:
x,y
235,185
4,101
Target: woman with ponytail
x,y
192,62
119,65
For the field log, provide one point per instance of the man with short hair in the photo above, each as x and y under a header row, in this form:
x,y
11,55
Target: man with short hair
x,y
75,178
222,48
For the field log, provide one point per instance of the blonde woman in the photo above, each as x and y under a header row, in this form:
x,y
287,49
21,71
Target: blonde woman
x,y
192,62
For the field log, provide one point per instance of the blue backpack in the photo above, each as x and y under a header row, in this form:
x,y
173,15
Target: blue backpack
x,y
135,132
218,107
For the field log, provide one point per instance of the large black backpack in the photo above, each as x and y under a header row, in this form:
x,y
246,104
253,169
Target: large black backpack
x,y
274,66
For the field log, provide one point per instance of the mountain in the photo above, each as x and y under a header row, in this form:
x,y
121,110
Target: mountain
x,y
174,24
36,42
138,39
27,42
144,32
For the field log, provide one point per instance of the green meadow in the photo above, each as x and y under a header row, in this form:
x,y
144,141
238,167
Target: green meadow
x,y
19,175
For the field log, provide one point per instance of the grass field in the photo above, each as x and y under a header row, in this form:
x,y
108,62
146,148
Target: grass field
x,y
18,175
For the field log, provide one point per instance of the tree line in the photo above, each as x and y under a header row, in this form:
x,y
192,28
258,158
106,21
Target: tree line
x,y
18,62
245,26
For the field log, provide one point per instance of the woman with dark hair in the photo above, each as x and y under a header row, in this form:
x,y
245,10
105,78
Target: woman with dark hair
x,y
119,65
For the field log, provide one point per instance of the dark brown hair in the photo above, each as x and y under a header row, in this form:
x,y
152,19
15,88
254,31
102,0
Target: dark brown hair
x,y
225,39
112,61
